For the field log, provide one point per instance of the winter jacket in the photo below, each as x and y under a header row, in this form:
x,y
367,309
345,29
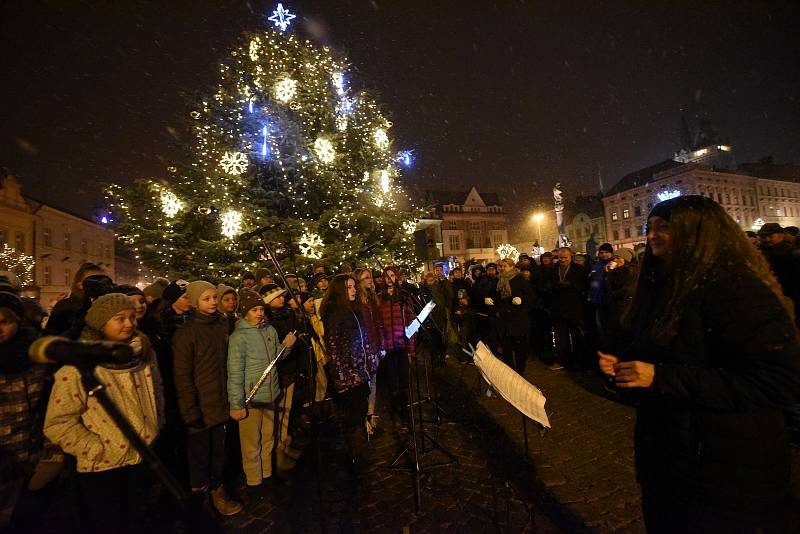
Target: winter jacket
x,y
597,281
22,400
200,348
251,348
568,296
786,266
81,427
397,312
63,314
514,319
284,321
352,359
373,325
483,288
711,427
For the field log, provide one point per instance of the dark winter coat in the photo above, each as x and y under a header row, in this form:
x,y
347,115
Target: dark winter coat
x,y
568,296
597,282
353,362
514,319
200,349
786,266
711,427
284,320
23,399
63,314
397,312
169,322
373,325
483,288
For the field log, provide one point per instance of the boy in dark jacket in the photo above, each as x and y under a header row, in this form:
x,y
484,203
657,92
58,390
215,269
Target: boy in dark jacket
x,y
200,349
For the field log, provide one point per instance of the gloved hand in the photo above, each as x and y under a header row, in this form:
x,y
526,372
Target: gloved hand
x,y
488,301
516,301
470,352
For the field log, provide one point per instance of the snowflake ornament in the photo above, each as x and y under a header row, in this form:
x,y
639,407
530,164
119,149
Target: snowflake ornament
x,y
324,150
231,221
234,163
286,90
170,204
311,245
381,138
507,251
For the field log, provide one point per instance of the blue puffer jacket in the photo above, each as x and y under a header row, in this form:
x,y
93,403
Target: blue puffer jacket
x,y
250,350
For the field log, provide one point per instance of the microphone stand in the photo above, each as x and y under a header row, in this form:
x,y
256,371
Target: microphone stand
x,y
196,519
312,375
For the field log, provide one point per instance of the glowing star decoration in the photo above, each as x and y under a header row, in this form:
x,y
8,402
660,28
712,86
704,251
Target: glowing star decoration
x,y
507,251
668,194
406,158
234,163
381,138
338,83
286,90
170,204
324,150
311,245
385,180
410,227
231,222
281,17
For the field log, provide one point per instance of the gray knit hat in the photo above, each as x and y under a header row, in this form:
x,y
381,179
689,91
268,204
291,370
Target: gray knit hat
x,y
222,290
106,307
248,299
197,288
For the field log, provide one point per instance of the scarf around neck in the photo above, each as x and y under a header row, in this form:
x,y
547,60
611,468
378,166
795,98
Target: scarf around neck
x,y
503,282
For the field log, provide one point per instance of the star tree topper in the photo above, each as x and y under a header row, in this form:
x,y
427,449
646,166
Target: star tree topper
x,y
281,18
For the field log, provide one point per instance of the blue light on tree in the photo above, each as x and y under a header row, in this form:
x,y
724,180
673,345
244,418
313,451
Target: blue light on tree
x,y
406,158
104,219
250,106
265,150
281,18
346,106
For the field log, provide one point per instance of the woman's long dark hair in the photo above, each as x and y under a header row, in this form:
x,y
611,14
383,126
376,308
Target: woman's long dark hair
x,y
335,299
703,237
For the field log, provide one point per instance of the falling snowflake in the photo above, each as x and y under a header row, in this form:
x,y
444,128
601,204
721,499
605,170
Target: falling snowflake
x,y
231,221
170,204
311,245
234,162
381,138
507,251
324,150
286,89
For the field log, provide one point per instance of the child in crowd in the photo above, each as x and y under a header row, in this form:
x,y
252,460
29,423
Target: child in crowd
x,y
109,469
251,348
200,349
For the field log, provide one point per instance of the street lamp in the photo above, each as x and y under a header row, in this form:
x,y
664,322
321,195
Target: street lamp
x,y
538,218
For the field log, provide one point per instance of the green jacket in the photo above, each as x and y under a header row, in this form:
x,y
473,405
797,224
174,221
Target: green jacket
x,y
250,350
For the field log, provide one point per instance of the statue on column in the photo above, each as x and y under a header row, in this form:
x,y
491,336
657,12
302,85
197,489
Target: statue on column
x,y
558,202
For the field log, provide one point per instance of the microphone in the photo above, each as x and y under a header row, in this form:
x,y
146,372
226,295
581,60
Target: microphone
x,y
258,231
55,349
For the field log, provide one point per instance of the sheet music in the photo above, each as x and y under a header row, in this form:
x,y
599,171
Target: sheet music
x,y
419,319
523,395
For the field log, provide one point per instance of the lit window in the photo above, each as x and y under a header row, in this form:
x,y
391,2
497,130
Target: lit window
x,y
455,242
626,213
46,275
614,216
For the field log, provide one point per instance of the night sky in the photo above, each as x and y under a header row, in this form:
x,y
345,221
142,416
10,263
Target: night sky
x,y
509,96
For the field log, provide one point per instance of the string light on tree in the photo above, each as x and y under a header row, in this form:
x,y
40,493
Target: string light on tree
x,y
18,263
507,250
385,181
338,82
324,150
231,222
234,163
381,138
311,245
410,227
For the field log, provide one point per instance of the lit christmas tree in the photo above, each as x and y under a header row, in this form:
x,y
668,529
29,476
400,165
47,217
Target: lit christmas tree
x,y
284,140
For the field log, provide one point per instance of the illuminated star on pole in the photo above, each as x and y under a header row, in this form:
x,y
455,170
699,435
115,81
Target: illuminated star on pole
x,y
281,18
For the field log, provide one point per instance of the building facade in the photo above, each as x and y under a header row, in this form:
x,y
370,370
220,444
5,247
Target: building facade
x,y
750,200
473,225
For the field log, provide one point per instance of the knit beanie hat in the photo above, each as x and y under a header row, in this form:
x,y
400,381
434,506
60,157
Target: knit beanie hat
x,y
248,299
606,247
261,273
248,276
223,290
318,278
625,253
106,307
197,288
130,290
273,293
266,288
305,295
13,303
175,290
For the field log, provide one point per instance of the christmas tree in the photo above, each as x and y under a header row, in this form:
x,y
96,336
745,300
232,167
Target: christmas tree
x,y
284,141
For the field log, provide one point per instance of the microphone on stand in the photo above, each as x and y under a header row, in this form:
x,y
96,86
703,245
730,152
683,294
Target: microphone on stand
x,y
60,350
258,231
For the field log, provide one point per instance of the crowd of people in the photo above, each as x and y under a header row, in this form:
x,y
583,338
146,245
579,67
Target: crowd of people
x,y
693,315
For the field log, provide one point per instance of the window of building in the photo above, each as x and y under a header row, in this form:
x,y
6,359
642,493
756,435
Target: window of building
x,y
84,247
67,239
614,216
637,211
455,242
46,237
615,233
727,198
596,229
46,275
19,242
626,213
627,232
640,230
451,225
